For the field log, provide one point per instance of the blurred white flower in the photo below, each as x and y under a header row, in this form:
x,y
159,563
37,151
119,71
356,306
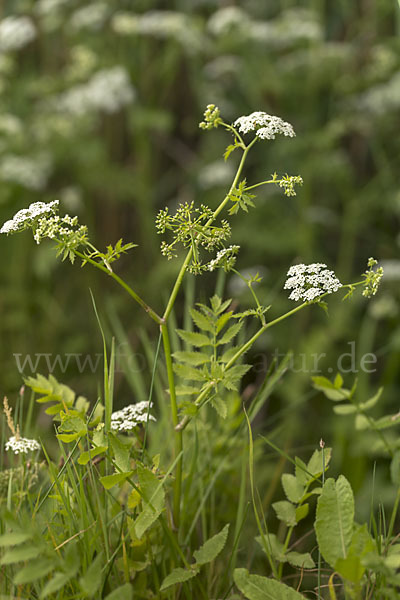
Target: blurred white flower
x,y
15,33
215,173
92,16
392,269
226,19
107,90
309,282
48,7
20,444
381,98
32,173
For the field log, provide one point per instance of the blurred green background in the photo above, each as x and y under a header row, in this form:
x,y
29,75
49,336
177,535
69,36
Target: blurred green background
x,y
100,105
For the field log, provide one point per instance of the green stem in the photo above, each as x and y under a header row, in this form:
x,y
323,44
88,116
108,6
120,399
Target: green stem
x,y
126,287
285,547
178,442
251,187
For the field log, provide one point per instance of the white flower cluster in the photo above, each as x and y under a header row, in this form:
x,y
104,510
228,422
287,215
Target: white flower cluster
x,y
266,126
28,216
108,90
48,7
15,33
60,227
131,416
225,258
20,444
309,282
32,173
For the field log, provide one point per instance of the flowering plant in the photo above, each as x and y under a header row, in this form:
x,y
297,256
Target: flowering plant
x,y
207,371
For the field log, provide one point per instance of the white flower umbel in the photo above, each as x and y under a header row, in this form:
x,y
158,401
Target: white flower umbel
x,y
309,282
25,218
266,126
30,172
131,416
19,445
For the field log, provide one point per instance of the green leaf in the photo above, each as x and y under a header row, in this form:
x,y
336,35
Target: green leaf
x,y
74,424
304,561
315,464
153,500
351,567
14,538
212,547
187,372
293,488
108,481
194,339
121,453
334,519
178,576
372,401
286,512
233,376
230,333
338,381
301,471
192,358
124,592
345,409
186,390
33,571
92,580
19,554
328,388
255,587
58,581
223,320
302,512
204,323
68,437
274,546
84,457
220,406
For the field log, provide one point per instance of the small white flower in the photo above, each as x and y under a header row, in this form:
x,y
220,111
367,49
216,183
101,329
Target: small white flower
x,y
225,258
131,416
309,282
27,216
266,126
20,444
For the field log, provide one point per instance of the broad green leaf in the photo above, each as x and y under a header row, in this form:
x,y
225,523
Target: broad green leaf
x,y
187,372
362,422
19,554
194,339
293,488
153,500
33,571
318,460
255,587
124,592
192,358
230,333
84,457
334,519
387,421
108,481
178,576
212,547
74,424
58,581
286,512
202,322
186,390
121,453
304,561
14,538
301,471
